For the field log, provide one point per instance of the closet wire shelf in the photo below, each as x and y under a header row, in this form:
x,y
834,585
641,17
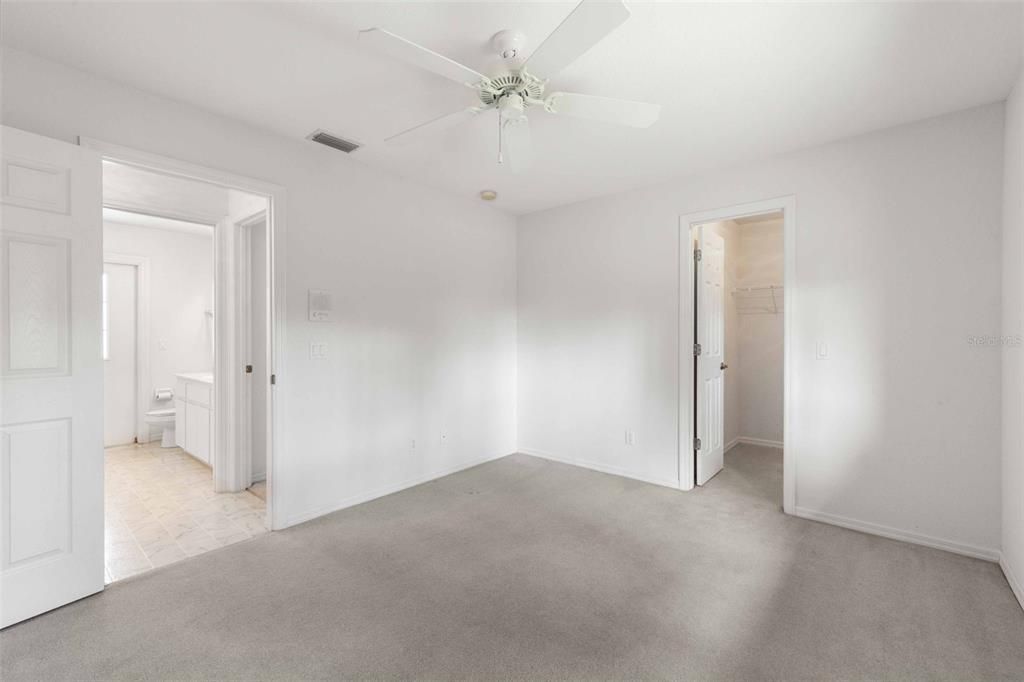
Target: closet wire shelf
x,y
762,300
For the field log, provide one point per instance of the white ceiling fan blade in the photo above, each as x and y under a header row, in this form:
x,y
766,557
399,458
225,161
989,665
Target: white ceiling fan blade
x,y
434,126
607,109
409,52
585,26
517,144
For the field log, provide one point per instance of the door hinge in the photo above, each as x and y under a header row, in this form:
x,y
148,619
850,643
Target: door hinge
x,y
696,349
273,379
696,443
697,254
248,369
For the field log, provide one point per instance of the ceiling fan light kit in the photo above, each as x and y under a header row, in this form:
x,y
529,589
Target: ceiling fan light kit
x,y
513,93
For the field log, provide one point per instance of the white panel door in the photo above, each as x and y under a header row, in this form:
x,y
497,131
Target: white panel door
x,y
259,380
119,362
710,412
51,372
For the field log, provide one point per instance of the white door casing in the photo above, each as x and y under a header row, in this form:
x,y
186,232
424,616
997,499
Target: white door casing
x,y
120,365
710,404
51,369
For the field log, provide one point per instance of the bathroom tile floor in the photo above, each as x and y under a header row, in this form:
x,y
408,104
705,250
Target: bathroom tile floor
x,y
161,508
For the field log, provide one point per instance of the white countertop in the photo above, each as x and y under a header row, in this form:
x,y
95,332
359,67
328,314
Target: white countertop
x,y
204,377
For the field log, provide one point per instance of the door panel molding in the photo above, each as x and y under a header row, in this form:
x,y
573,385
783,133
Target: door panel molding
x,y
33,184
35,484
35,279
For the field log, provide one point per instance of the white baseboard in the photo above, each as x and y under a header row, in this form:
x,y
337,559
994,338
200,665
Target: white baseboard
x,y
897,534
603,468
756,441
731,444
1011,577
381,492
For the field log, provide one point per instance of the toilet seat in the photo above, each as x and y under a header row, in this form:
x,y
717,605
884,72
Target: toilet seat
x,y
160,416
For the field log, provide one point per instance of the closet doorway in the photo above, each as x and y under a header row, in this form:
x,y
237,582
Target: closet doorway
x,y
735,307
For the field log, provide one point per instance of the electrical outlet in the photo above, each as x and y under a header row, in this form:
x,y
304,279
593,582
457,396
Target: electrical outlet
x,y
414,445
821,352
317,350
444,439
630,437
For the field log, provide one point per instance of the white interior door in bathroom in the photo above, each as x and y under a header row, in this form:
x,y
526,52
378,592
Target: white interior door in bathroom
x,y
120,363
51,375
259,355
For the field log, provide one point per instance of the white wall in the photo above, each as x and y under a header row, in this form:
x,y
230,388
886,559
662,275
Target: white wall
x,y
897,264
180,294
424,284
1013,366
760,262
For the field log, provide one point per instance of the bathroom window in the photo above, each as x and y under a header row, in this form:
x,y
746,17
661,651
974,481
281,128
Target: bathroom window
x,y
105,324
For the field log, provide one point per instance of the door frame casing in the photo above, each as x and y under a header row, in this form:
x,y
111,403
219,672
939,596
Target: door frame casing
x,y
142,368
687,272
230,381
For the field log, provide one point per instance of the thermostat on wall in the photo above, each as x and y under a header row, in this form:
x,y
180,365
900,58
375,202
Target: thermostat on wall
x,y
319,305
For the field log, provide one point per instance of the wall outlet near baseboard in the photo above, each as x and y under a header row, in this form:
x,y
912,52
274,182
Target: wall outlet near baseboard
x,y
630,437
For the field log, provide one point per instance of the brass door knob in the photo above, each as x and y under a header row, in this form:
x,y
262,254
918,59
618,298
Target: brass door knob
x,y
723,366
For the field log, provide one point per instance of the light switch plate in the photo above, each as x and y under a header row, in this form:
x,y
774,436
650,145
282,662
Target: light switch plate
x,y
317,350
822,351
319,305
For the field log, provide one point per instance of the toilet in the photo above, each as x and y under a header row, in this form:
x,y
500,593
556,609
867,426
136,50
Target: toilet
x,y
163,419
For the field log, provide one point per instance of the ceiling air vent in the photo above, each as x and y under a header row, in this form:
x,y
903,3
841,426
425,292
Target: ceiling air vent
x,y
338,143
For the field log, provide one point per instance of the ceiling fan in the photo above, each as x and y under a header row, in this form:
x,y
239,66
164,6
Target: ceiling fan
x,y
523,85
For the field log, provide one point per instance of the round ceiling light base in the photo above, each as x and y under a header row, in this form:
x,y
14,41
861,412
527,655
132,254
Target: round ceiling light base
x,y
508,44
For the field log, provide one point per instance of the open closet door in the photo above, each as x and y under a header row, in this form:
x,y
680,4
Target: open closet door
x,y
51,371
710,398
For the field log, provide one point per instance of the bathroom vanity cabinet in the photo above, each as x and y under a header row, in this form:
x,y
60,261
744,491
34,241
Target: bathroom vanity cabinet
x,y
193,403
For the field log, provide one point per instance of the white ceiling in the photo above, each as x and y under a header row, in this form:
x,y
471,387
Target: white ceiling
x,y
112,215
134,190
736,81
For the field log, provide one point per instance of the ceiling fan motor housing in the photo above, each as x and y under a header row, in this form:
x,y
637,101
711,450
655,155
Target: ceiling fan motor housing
x,y
528,88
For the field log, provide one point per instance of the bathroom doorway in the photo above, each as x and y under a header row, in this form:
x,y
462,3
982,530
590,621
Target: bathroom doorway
x,y
174,323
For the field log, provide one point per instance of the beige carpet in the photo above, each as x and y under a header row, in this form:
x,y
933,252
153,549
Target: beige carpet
x,y
523,568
